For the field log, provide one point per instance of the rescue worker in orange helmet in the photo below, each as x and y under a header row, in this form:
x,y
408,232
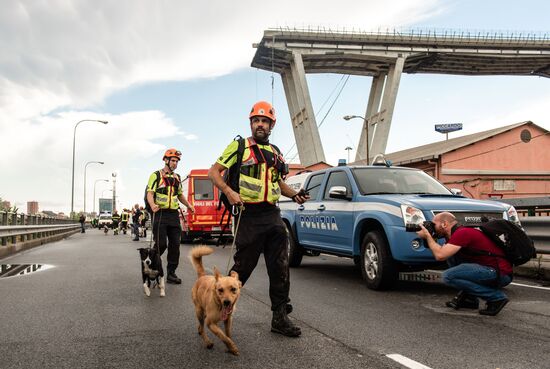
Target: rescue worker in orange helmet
x,y
256,170
163,193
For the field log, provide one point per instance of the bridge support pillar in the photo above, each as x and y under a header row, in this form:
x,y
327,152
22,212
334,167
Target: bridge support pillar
x,y
378,115
306,133
375,96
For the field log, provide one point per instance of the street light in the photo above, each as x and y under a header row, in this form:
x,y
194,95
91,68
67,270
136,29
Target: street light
x,y
348,150
349,117
86,167
74,140
97,180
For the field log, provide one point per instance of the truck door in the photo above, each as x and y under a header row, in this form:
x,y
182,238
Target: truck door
x,y
306,212
334,221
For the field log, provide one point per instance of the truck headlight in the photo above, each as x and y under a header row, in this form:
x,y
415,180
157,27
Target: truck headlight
x,y
412,215
513,215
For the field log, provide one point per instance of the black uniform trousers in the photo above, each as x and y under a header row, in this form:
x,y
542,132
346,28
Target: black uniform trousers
x,y
264,233
167,227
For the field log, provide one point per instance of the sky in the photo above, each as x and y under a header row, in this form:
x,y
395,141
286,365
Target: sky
x,y
177,74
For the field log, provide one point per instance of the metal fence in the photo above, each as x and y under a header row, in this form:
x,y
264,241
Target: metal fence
x,y
16,228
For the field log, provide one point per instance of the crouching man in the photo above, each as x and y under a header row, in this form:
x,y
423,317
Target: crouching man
x,y
474,273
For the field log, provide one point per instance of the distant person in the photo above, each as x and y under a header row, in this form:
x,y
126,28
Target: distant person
x,y
82,221
136,220
261,229
124,216
474,274
144,219
163,193
116,220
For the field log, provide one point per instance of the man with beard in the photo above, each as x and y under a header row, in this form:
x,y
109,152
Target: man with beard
x,y
478,268
260,170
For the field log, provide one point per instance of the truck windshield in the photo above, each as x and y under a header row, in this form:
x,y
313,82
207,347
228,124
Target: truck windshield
x,y
397,181
203,189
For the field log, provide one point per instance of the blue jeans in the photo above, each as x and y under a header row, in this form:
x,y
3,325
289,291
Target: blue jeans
x,y
477,280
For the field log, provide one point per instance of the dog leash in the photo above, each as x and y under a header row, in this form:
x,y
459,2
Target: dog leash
x,y
236,211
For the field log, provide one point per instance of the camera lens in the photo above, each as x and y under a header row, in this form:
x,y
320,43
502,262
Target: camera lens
x,y
411,227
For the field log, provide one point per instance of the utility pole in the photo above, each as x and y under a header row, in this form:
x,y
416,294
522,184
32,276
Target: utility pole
x,y
114,192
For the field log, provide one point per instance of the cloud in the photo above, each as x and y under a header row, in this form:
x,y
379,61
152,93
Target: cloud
x,y
64,53
62,58
41,154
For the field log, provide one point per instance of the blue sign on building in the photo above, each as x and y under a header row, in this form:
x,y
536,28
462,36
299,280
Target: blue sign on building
x,y
446,128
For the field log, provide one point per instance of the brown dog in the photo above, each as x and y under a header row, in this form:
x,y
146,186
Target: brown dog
x,y
215,298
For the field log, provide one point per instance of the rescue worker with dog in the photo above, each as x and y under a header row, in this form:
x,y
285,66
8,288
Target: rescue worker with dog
x,y
163,192
472,271
261,228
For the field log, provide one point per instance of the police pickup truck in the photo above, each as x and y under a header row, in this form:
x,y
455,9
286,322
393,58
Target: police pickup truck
x,y
360,212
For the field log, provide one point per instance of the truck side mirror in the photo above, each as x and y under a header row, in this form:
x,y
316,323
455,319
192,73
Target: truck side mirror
x,y
339,192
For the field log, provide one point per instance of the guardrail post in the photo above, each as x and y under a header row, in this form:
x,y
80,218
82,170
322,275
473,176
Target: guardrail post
x,y
32,221
40,221
22,221
14,223
4,220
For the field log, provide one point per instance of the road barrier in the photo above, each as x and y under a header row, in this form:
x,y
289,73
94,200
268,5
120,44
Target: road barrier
x,y
538,228
20,231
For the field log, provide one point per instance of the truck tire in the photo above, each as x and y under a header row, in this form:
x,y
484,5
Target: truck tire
x,y
186,237
295,251
377,265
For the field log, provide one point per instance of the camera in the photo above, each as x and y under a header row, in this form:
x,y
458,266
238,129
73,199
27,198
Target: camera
x,y
429,225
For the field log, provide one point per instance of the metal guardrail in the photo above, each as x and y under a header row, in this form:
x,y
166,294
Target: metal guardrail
x,y
11,231
538,228
16,228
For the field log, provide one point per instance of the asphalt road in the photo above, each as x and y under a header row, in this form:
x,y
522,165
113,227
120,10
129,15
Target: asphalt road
x,y
89,311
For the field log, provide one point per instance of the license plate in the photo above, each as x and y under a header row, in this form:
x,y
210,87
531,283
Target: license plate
x,y
216,229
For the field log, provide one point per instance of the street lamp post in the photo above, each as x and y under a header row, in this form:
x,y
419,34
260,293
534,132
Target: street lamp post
x,y
366,122
85,168
97,180
74,140
348,150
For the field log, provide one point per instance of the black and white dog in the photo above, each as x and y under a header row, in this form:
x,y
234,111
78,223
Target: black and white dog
x,y
151,270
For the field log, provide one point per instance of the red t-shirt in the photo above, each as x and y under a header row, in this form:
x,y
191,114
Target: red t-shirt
x,y
474,239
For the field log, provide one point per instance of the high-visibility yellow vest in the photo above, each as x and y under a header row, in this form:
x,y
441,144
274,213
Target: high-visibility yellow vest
x,y
258,180
167,188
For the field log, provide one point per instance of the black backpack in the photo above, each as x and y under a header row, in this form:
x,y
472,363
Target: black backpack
x,y
156,181
517,246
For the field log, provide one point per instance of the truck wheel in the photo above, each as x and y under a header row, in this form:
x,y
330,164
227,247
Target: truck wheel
x,y
377,265
295,251
186,237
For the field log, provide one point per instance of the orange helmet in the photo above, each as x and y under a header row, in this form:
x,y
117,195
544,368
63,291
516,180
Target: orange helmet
x,y
263,109
172,153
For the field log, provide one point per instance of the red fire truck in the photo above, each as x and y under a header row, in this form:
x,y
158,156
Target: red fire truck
x,y
204,196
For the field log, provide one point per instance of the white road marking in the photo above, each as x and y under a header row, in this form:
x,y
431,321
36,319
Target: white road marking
x,y
409,363
528,285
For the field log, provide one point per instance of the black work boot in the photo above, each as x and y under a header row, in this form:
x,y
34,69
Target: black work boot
x,y
173,278
494,307
281,324
463,300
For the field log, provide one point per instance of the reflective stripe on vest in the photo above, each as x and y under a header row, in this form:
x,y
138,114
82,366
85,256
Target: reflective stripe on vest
x,y
257,182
